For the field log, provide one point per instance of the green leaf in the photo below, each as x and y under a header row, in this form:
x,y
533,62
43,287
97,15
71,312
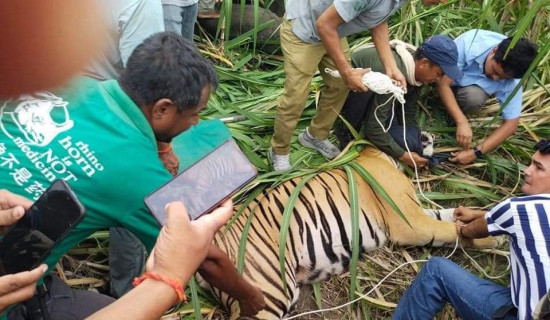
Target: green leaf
x,y
355,245
285,224
195,301
378,189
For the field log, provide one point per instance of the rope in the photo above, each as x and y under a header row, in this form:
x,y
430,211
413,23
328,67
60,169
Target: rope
x,y
405,51
377,82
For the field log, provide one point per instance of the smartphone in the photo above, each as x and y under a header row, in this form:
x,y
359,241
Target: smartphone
x,y
206,184
29,241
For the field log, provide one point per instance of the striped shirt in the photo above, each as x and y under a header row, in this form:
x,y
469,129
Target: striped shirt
x,y
525,220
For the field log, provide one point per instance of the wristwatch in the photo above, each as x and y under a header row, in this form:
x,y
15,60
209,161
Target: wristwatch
x,y
478,153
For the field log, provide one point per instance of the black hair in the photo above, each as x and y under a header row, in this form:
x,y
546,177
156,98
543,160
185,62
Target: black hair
x,y
519,57
543,146
419,55
166,65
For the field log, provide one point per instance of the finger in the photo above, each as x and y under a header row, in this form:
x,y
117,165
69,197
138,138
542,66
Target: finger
x,y
176,215
454,159
13,282
19,295
10,216
457,212
363,71
220,216
9,200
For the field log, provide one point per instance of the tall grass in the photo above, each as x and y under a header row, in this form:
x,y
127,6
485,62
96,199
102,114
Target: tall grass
x,y
252,82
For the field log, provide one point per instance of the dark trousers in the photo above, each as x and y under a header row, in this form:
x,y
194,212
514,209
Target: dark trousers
x,y
62,303
354,111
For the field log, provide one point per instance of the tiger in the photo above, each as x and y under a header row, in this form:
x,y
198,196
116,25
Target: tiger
x,y
318,244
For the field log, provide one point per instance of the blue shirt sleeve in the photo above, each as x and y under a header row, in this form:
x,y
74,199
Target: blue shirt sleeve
x,y
349,9
513,109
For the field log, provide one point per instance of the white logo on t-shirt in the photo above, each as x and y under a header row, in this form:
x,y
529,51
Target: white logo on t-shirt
x,y
32,115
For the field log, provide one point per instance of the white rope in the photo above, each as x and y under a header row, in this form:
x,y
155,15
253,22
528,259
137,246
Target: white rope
x,y
364,296
377,82
405,52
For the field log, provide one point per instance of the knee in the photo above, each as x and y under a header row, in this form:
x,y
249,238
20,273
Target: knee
x,y
435,265
471,98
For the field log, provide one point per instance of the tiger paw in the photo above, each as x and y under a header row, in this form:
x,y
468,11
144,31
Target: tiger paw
x,y
253,304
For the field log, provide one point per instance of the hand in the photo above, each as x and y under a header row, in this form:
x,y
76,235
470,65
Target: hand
x,y
466,215
182,244
459,225
464,135
353,79
19,287
396,75
12,208
420,161
463,156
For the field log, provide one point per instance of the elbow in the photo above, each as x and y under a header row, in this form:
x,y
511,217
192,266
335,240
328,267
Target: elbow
x,y
512,126
321,26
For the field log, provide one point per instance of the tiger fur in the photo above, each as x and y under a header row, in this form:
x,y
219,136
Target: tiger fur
x,y
319,236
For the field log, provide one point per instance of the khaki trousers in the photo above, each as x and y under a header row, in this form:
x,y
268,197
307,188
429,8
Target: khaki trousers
x,y
301,61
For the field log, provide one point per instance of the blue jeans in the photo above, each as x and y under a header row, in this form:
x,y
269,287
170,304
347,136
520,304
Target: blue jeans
x,y
180,19
441,281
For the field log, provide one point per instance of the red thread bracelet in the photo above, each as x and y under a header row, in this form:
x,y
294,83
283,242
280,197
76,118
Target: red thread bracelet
x,y
172,282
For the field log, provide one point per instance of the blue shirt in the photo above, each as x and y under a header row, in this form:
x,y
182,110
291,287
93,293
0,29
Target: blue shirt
x,y
128,23
473,48
358,15
525,220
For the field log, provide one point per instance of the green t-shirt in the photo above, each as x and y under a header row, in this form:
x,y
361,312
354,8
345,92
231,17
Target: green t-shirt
x,y
368,58
97,139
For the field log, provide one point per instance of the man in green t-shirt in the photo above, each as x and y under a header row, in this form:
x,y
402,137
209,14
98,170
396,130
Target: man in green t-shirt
x,y
436,57
101,138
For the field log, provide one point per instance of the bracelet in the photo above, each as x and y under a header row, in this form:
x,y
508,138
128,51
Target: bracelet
x,y
165,150
172,282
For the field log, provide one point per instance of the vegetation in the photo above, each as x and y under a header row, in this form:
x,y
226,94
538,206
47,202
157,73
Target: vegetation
x,y
251,81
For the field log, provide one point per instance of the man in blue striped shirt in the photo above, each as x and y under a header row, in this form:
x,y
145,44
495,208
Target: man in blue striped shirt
x,y
525,220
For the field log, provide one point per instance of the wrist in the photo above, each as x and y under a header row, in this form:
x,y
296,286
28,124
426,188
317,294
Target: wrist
x,y
160,290
162,284
461,230
478,152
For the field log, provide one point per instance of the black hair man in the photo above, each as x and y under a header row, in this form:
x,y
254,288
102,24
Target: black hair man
x,y
488,69
101,138
436,57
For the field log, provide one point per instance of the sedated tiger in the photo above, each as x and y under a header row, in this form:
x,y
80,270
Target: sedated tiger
x,y
319,237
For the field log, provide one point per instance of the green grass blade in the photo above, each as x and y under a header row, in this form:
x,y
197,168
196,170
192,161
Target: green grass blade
x,y
195,301
285,224
378,188
355,246
317,294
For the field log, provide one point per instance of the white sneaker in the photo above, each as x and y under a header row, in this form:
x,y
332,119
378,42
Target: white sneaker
x,y
280,162
324,147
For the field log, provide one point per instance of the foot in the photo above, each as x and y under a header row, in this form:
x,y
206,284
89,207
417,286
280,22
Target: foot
x,y
253,304
324,147
280,162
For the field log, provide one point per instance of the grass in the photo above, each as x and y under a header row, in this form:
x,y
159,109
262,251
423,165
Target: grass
x,y
252,82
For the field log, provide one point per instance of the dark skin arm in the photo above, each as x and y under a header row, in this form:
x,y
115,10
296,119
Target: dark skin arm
x,y
218,271
474,230
327,25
